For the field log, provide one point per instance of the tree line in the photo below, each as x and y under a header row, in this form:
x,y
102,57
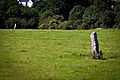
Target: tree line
x,y
60,14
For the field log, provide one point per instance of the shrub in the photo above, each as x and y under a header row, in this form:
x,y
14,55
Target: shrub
x,y
10,22
92,26
52,24
42,26
75,24
117,25
78,24
97,24
32,24
52,21
63,25
84,26
59,18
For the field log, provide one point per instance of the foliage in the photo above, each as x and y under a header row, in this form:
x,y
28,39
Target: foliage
x,y
117,26
32,24
39,5
108,19
23,23
91,16
10,22
42,26
93,13
13,11
75,24
84,26
2,18
78,24
102,5
2,13
98,24
64,25
117,17
76,13
51,22
46,14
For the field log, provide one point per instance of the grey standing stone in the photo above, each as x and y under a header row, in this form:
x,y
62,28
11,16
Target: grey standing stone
x,y
95,44
14,26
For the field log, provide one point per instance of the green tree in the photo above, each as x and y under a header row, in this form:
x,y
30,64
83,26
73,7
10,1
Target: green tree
x,y
12,2
23,23
39,5
10,22
46,14
13,11
2,18
50,8
2,13
32,24
76,13
69,4
28,18
107,19
102,4
24,12
58,5
117,17
91,15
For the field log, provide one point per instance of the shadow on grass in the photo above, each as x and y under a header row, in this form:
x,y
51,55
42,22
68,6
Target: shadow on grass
x,y
23,51
106,56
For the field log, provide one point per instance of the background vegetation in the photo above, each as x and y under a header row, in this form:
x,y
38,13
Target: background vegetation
x,y
61,14
58,55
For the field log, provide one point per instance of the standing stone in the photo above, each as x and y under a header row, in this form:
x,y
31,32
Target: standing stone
x,y
95,45
14,26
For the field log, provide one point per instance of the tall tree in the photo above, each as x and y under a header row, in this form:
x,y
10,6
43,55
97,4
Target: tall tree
x,y
117,17
2,12
76,13
91,14
69,4
102,4
107,19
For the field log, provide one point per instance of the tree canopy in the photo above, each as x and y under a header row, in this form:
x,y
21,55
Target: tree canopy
x,y
78,14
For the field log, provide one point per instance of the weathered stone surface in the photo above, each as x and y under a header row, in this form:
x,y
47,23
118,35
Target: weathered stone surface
x,y
14,26
95,44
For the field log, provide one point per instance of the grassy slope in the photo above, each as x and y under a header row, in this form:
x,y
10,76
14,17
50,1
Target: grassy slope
x,y
58,55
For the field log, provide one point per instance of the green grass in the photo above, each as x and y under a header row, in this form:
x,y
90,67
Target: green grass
x,y
58,55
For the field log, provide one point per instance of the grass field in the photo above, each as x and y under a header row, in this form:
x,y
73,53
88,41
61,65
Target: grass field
x,y
58,55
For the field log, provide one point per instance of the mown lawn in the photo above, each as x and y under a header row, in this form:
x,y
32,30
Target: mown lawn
x,y
58,55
